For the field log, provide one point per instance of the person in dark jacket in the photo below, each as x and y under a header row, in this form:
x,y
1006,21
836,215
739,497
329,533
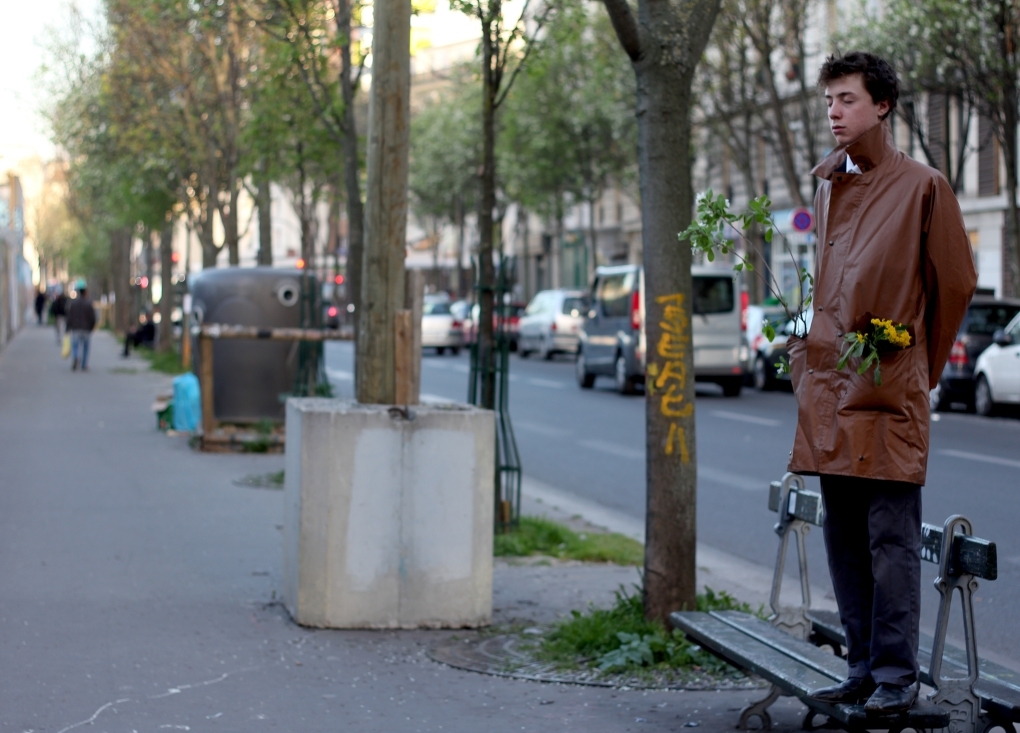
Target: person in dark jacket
x,y
144,334
58,309
81,321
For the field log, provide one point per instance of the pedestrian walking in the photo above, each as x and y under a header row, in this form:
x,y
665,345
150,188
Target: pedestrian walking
x,y
81,321
892,247
40,305
58,309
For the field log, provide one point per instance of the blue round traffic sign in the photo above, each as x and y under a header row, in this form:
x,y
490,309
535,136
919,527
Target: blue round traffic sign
x,y
802,220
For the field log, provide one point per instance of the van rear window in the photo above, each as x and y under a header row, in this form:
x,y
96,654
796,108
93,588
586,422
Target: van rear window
x,y
573,306
985,320
615,294
713,294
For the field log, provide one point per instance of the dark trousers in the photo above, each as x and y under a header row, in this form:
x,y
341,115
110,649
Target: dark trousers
x,y
872,534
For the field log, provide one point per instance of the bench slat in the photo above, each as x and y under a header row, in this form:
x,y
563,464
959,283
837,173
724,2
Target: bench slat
x,y
746,647
970,555
738,648
802,651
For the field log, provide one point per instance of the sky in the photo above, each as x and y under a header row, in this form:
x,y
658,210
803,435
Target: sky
x,y
23,132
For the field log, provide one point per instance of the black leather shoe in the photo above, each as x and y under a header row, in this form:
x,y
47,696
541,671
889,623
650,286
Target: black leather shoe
x,y
852,691
891,698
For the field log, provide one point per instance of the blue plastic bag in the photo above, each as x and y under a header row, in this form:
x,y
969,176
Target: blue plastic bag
x,y
187,403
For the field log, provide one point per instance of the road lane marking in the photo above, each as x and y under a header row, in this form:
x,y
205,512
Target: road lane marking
x,y
435,399
613,449
536,382
731,480
980,457
741,417
715,475
546,430
340,375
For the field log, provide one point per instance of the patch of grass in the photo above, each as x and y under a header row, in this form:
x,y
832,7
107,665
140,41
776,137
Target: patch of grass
x,y
272,480
168,362
262,444
620,638
537,536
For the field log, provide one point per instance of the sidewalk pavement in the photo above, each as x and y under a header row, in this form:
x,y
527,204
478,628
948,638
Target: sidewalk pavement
x,y
138,590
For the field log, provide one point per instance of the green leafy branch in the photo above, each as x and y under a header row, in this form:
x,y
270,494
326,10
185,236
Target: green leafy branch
x,y
709,231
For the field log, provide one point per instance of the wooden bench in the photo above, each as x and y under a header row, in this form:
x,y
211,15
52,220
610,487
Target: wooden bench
x,y
973,695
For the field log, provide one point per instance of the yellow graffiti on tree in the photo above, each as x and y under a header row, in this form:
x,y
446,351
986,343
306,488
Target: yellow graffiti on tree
x,y
670,380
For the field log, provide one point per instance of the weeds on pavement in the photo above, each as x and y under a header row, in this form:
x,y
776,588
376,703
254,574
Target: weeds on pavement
x,y
537,536
619,638
168,362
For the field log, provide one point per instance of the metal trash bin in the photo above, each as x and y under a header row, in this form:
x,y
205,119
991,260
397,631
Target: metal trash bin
x,y
250,377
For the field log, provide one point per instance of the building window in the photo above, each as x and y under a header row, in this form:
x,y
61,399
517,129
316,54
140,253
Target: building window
x,y
988,158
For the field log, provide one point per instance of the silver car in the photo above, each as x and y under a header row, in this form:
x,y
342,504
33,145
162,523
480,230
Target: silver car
x,y
440,329
552,323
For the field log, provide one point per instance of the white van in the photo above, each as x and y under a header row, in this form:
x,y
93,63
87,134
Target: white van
x,y
613,341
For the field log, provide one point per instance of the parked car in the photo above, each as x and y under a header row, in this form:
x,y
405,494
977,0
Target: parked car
x,y
997,371
766,373
551,323
985,316
760,362
509,319
613,340
440,330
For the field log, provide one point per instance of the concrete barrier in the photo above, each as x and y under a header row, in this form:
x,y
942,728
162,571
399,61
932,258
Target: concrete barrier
x,y
389,515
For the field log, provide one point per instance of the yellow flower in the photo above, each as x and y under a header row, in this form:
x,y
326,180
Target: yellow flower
x,y
900,338
860,336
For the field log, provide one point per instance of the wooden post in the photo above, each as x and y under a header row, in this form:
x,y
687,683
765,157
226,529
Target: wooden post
x,y
205,383
382,287
186,341
403,331
414,295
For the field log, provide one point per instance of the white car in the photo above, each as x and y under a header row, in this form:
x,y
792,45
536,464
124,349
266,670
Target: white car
x,y
440,329
551,323
997,371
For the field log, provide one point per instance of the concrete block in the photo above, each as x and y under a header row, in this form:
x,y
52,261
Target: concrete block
x,y
388,519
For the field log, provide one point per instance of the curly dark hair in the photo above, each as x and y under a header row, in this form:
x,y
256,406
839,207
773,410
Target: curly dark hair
x,y
879,76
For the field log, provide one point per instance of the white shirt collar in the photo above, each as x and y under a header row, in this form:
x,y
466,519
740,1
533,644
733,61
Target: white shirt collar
x,y
852,167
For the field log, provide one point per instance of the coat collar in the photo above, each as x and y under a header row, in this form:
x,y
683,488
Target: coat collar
x,y
868,151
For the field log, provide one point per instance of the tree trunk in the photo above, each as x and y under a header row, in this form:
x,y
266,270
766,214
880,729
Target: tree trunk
x,y
166,298
386,207
231,229
592,243
486,271
265,206
665,44
1011,273
349,148
523,217
120,249
150,268
459,270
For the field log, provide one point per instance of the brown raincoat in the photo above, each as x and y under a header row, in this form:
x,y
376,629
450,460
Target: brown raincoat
x,y
891,242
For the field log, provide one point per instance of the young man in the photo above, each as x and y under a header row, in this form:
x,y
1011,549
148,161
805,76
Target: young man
x,y
891,243
81,321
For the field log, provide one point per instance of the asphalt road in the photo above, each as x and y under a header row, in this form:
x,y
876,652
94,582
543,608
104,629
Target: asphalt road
x,y
591,443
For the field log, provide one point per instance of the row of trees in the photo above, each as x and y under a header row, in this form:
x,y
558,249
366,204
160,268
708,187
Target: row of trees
x,y
962,58
168,108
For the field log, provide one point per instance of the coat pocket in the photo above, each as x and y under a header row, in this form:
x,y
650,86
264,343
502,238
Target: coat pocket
x,y
901,384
